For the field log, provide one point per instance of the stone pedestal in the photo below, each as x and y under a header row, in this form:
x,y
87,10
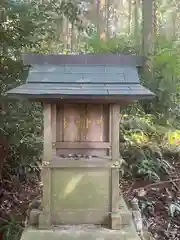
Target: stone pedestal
x,y
79,192
81,232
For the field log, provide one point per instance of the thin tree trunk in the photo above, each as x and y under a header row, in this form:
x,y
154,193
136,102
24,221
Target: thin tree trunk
x,y
107,6
155,25
174,20
136,21
97,19
129,15
147,26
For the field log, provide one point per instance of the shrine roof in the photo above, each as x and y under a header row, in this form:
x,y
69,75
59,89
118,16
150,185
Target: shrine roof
x,y
57,76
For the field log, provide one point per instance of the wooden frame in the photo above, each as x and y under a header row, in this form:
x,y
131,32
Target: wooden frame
x,y
81,145
59,162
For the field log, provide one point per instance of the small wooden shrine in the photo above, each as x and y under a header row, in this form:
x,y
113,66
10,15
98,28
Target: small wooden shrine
x,y
82,97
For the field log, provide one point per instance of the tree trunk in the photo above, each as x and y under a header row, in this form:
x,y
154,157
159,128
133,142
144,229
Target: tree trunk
x,y
136,5
147,26
129,15
107,6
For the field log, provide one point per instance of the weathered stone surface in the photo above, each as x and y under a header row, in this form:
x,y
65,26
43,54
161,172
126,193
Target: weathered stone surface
x,y
34,217
81,232
80,196
116,221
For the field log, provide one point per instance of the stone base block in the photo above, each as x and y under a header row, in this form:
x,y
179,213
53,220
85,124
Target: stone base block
x,y
126,217
81,232
116,221
120,219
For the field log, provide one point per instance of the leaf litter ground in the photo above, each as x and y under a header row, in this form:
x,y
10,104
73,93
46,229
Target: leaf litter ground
x,y
159,203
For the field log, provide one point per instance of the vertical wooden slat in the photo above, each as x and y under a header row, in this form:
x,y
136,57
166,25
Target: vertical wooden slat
x,y
94,122
60,124
106,123
71,120
82,130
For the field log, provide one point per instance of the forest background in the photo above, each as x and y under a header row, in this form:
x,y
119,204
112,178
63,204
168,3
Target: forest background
x,y
147,27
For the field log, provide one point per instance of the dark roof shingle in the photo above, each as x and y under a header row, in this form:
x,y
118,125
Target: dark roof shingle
x,y
82,80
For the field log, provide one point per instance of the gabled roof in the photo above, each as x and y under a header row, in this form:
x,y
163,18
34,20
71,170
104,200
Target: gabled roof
x,y
59,76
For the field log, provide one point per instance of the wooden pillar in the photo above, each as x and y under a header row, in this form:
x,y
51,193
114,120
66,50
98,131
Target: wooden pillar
x,y
120,215
47,148
45,217
54,128
115,217
110,150
115,112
